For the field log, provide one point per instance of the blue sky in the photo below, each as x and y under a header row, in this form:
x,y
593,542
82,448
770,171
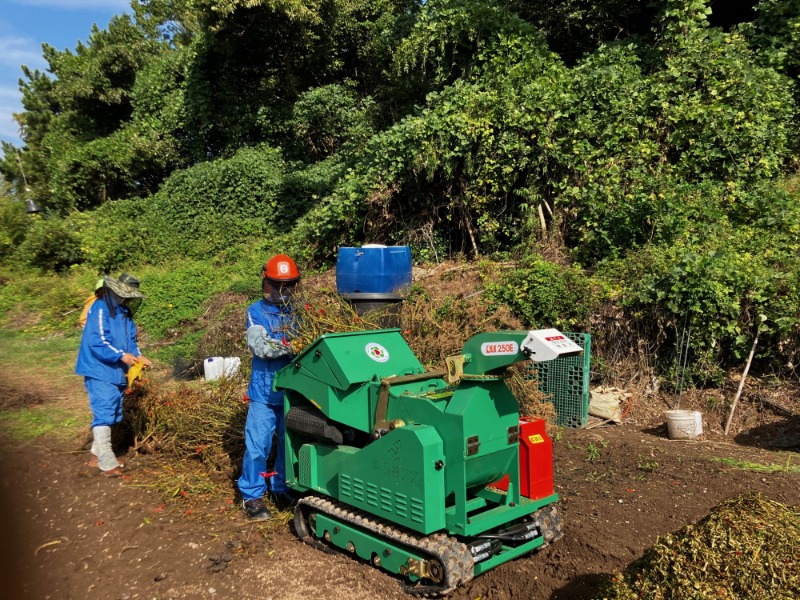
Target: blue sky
x,y
25,25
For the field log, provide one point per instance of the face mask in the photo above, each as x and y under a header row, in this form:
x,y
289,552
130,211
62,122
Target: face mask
x,y
133,305
117,300
278,293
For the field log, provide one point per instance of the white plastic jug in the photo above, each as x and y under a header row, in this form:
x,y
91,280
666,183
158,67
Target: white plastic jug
x,y
213,367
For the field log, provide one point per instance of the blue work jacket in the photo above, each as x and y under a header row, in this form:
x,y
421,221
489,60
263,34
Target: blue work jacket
x,y
105,339
269,327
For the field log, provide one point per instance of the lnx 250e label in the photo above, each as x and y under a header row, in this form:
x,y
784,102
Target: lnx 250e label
x,y
499,348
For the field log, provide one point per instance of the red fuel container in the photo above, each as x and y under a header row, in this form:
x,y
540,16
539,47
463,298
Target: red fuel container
x,y
535,460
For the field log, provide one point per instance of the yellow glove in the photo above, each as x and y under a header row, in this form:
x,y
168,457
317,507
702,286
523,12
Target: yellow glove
x,y
135,372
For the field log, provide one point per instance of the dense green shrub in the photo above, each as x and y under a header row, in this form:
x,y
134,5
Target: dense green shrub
x,y
213,205
43,303
331,221
115,235
51,244
197,213
328,118
718,285
175,299
608,150
14,222
776,35
304,185
545,294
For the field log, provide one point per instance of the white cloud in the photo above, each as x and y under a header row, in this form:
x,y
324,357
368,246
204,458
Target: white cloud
x,y
10,102
9,94
16,51
9,129
122,5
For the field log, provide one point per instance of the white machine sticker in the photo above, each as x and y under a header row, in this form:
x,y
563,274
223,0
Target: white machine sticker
x,y
499,348
377,352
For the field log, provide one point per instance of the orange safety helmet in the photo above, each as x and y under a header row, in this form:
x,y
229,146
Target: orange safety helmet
x,y
281,269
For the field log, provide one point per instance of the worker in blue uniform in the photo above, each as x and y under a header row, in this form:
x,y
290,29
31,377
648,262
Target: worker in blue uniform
x,y
270,323
108,349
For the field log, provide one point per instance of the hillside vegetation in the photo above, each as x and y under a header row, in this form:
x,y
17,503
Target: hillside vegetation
x,y
633,166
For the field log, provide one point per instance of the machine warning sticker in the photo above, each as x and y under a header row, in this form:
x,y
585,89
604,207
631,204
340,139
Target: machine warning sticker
x,y
377,352
536,439
499,348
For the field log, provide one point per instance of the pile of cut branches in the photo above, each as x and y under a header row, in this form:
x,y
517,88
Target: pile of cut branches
x,y
321,311
200,420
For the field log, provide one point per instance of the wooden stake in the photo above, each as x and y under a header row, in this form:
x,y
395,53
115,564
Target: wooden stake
x,y
542,222
465,216
741,383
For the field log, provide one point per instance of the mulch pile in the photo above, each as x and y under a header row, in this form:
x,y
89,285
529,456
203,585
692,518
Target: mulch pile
x,y
748,547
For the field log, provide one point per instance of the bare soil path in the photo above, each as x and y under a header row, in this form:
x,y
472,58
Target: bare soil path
x,y
70,533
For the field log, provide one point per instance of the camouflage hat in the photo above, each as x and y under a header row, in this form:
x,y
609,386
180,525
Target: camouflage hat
x,y
130,280
127,286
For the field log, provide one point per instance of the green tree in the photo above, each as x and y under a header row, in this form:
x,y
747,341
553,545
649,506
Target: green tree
x,y
95,81
327,118
26,170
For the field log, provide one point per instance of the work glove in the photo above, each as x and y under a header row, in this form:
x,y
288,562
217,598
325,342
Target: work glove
x,y
263,346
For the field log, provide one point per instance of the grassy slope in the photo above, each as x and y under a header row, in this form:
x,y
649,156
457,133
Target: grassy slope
x,y
41,395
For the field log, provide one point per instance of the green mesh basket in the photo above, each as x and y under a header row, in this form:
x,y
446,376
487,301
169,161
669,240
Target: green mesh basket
x,y
565,382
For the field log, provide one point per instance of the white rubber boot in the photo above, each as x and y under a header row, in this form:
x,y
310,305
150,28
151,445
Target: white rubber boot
x,y
101,446
93,460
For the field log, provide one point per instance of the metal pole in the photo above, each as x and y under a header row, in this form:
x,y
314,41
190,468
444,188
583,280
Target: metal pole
x,y
683,356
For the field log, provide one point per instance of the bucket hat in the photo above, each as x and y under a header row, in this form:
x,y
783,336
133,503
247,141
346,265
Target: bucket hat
x,y
129,279
127,286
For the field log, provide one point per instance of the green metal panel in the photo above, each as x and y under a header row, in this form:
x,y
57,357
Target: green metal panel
x,y
395,477
484,411
326,462
332,372
361,356
350,407
307,467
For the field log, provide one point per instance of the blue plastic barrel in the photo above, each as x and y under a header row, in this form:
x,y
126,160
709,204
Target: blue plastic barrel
x,y
373,269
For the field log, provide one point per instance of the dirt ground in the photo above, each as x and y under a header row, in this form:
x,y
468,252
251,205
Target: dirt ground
x,y
70,533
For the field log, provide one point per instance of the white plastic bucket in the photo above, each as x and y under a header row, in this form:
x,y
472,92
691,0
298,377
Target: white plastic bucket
x,y
230,365
684,424
213,367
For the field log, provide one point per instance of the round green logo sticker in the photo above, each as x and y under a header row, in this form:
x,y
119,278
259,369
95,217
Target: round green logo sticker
x,y
377,352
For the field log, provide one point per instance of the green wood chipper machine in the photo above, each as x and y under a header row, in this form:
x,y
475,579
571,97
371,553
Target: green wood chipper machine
x,y
430,475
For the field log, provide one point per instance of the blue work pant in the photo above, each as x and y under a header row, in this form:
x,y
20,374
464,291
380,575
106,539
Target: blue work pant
x,y
105,400
263,420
